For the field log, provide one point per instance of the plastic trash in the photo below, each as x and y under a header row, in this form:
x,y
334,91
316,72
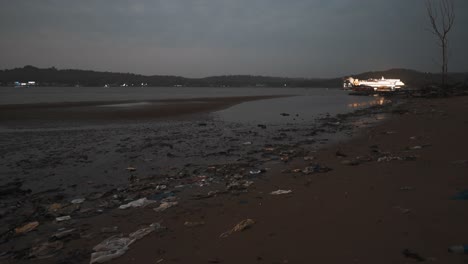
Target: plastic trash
x,y
137,203
63,233
459,249
165,205
46,250
243,225
63,218
131,168
78,201
116,246
255,172
280,192
316,168
104,256
27,228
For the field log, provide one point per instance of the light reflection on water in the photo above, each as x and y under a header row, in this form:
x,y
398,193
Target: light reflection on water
x,y
303,108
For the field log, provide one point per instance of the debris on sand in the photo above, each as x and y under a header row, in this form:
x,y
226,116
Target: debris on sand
x,y
243,225
165,205
46,250
137,203
280,192
116,246
130,168
78,201
63,218
27,228
316,168
407,253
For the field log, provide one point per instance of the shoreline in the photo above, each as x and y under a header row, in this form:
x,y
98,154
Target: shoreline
x,y
392,211
362,210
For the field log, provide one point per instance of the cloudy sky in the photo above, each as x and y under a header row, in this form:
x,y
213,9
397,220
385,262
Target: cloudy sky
x,y
196,38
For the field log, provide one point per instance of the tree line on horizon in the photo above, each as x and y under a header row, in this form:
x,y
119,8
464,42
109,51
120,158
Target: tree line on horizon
x,y
54,77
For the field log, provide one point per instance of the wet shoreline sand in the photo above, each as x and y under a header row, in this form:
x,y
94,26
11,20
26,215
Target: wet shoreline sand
x,y
392,211
363,210
108,111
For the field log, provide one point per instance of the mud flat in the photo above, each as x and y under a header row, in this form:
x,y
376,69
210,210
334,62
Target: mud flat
x,y
391,194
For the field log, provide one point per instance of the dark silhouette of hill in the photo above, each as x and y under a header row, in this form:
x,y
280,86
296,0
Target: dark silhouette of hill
x,y
55,77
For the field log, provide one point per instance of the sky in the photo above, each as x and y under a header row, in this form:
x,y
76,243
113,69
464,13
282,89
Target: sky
x,y
199,38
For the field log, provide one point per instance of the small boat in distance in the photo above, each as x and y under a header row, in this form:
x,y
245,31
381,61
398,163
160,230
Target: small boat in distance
x,y
383,84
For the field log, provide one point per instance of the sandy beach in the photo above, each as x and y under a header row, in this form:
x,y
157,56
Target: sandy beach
x,y
384,195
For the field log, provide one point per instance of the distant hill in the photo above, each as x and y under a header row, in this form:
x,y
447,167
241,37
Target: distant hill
x,y
55,77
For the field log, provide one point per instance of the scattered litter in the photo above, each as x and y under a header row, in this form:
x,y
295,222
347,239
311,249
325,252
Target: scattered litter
x,y
46,250
317,168
243,225
26,228
388,158
63,218
239,185
64,233
279,192
407,253
193,224
161,187
165,205
54,207
463,195
255,172
78,201
131,169
247,143
116,246
137,203
296,170
459,249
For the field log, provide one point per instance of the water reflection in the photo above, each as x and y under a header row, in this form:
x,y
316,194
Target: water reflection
x,y
378,101
297,109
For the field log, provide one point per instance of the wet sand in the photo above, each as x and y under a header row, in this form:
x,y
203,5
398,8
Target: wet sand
x,y
21,115
390,189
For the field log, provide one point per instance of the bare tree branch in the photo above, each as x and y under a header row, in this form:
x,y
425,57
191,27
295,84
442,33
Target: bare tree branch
x,y
442,19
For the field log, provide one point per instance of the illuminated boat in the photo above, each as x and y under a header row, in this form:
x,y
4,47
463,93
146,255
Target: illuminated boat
x,y
372,84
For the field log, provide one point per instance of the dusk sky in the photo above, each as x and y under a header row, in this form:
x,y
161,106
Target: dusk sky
x,y
197,38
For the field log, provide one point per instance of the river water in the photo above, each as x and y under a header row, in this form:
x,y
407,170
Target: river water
x,y
304,104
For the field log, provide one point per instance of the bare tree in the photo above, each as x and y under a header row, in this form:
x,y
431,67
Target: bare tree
x,y
442,18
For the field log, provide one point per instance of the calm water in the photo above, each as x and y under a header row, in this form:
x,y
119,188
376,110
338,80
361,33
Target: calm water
x,y
9,95
305,104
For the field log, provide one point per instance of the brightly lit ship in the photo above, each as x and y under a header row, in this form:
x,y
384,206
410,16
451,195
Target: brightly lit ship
x,y
372,84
